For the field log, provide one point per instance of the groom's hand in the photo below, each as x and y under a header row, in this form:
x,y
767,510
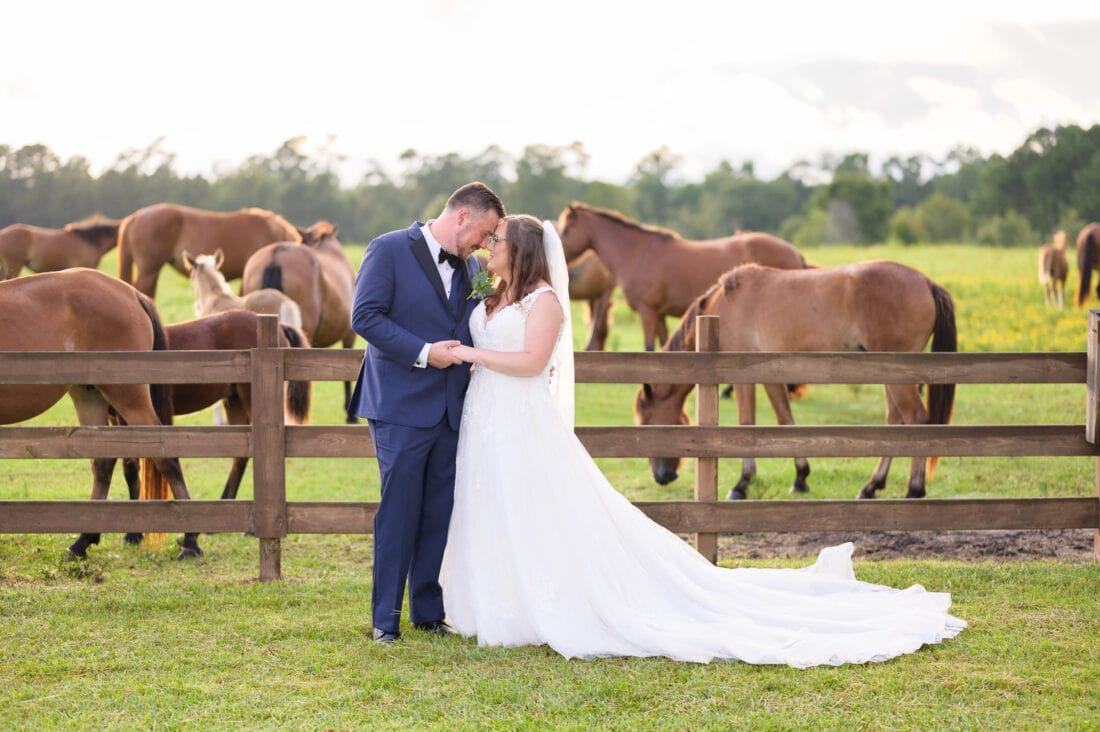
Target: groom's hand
x,y
440,355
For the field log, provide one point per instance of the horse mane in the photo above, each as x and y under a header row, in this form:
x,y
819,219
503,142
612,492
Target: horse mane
x,y
620,219
684,337
94,227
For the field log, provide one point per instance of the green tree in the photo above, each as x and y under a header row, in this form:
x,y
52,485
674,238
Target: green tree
x,y
943,219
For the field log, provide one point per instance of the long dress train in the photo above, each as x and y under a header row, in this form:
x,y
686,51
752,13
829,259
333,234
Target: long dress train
x,y
543,550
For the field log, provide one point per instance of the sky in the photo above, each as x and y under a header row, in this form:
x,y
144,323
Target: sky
x,y
771,83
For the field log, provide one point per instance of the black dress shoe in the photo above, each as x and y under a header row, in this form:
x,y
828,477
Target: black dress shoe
x,y
385,636
439,627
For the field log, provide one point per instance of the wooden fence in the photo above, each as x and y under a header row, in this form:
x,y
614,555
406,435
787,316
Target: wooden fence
x,y
269,442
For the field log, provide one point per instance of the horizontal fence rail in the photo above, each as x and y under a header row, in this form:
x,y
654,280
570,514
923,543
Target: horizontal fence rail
x,y
269,442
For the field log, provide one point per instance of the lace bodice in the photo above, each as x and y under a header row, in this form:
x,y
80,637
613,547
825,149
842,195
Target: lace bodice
x,y
506,330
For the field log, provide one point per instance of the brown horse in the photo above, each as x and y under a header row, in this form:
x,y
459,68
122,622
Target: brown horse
x,y
1053,270
869,306
317,275
591,281
229,330
79,244
86,310
660,272
1087,260
159,234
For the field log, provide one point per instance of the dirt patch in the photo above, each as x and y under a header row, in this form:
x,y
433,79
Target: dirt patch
x,y
1072,545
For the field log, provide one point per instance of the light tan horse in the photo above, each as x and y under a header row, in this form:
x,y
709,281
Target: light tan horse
x,y
79,244
1053,270
1088,241
159,234
317,275
86,310
869,306
660,272
591,281
212,293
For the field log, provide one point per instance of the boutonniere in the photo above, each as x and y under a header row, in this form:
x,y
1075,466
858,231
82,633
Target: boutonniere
x,y
481,286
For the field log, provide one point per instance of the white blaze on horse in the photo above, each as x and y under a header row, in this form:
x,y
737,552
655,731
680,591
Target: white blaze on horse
x,y
1053,270
869,306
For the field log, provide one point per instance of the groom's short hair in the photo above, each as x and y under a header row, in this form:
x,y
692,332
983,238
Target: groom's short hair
x,y
477,196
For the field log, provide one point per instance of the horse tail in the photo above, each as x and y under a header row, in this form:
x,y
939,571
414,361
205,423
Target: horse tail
x,y
154,486
125,252
273,273
298,393
1086,260
941,397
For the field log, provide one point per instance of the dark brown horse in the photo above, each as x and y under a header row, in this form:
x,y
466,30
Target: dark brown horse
x,y
1053,270
869,306
86,310
1087,260
659,271
159,234
591,281
317,275
229,330
79,244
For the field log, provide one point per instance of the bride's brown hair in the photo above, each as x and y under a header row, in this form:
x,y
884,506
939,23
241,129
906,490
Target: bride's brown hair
x,y
523,237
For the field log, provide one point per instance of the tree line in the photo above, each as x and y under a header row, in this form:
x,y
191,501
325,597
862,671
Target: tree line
x,y
1051,181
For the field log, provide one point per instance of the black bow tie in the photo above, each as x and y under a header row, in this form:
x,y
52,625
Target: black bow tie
x,y
454,259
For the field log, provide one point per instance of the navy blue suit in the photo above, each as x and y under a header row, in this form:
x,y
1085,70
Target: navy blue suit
x,y
414,414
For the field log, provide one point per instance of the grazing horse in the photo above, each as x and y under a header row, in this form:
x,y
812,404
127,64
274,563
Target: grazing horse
x,y
1053,270
86,310
591,281
1087,260
660,272
79,244
317,275
868,306
229,330
212,293
159,234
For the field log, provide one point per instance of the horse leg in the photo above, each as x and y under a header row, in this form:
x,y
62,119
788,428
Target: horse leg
x,y
906,397
599,314
781,405
91,409
134,405
237,415
131,471
746,414
882,470
662,330
649,325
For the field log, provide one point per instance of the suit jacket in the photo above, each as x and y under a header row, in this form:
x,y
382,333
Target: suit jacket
x,y
400,304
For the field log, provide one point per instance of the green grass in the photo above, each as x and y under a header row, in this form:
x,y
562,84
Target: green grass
x,y
131,639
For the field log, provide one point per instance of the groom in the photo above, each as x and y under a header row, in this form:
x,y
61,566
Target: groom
x,y
411,305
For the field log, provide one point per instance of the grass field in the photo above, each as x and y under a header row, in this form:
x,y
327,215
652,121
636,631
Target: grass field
x,y
130,639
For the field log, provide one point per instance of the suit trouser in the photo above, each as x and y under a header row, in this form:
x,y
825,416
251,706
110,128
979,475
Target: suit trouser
x,y
410,528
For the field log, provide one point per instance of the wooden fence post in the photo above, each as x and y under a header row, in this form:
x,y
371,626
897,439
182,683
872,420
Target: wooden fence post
x,y
1092,410
706,415
268,448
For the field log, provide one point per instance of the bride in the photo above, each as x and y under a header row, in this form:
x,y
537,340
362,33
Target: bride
x,y
543,550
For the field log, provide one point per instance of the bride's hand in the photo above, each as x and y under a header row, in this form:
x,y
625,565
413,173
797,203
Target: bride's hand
x,y
466,353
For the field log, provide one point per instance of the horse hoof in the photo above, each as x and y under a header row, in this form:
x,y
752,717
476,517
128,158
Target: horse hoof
x,y
799,488
189,552
132,539
736,495
915,494
866,493
77,553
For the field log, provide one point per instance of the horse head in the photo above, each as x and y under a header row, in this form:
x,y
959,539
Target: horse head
x,y
318,232
575,239
662,404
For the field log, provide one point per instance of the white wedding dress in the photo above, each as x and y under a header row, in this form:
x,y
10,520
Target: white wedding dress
x,y
543,550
